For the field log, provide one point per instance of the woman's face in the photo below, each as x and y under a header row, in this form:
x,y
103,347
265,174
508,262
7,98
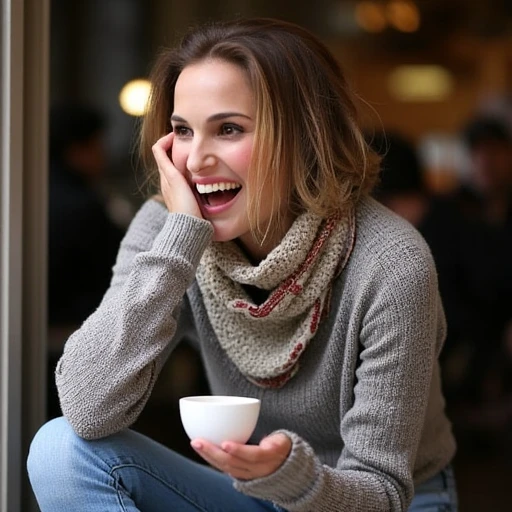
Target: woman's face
x,y
214,122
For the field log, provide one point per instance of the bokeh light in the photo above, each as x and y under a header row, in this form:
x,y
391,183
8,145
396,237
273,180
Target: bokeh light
x,y
371,16
403,15
134,97
420,83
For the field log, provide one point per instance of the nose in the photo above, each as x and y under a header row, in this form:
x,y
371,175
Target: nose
x,y
201,155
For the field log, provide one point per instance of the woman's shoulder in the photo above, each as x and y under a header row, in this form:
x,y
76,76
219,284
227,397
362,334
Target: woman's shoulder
x,y
385,238
148,220
152,209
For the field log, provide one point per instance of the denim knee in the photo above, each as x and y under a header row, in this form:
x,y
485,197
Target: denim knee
x,y
47,451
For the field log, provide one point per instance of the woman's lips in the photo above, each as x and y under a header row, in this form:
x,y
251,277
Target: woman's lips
x,y
220,197
217,202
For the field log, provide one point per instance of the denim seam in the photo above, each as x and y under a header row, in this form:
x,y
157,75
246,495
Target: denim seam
x,y
161,480
119,492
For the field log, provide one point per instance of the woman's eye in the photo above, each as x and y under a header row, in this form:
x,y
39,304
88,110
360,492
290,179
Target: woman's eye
x,y
230,129
181,131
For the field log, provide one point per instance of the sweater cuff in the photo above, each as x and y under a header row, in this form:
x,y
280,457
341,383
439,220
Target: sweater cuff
x,y
183,235
294,483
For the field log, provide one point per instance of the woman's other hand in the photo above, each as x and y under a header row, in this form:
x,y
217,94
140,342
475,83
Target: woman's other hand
x,y
246,462
175,189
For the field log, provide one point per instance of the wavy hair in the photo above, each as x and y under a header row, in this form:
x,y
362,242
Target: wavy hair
x,y
308,142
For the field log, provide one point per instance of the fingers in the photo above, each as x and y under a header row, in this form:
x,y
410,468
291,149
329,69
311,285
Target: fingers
x,y
277,442
161,148
274,446
218,458
174,187
245,461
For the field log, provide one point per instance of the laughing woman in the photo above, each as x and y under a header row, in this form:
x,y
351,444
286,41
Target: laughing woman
x,y
264,247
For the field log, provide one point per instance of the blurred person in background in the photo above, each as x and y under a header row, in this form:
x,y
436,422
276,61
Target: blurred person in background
x,y
401,184
469,235
487,193
484,201
83,240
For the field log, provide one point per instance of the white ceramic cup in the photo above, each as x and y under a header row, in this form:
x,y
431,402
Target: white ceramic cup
x,y
219,418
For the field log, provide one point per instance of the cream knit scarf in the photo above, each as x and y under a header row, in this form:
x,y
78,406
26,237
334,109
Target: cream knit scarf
x,y
266,341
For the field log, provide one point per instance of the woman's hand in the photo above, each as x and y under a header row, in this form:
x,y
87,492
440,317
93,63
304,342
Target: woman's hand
x,y
246,462
176,191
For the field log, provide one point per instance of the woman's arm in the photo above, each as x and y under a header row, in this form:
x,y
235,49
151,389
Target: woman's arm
x,y
111,363
400,334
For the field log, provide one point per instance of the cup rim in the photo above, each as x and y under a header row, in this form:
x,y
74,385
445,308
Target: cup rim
x,y
220,400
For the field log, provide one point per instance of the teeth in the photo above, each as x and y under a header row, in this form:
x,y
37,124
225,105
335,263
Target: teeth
x,y
214,187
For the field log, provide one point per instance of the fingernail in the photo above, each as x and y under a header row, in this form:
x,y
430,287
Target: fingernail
x,y
196,445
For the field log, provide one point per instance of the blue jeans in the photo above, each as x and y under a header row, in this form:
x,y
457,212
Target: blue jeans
x,y
129,472
438,494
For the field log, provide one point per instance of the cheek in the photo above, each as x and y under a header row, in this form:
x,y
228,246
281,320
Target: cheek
x,y
179,157
241,158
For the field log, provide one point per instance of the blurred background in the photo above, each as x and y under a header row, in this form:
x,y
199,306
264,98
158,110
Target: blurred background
x,y
435,82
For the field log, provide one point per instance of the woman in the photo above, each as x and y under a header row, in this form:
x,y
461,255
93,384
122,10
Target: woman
x,y
298,289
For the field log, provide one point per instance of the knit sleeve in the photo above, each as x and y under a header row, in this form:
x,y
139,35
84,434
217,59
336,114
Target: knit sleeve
x,y
400,331
110,364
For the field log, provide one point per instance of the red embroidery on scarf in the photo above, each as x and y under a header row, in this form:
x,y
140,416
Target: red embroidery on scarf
x,y
315,319
291,285
319,313
274,382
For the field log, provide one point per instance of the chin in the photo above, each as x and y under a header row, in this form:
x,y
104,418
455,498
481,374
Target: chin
x,y
226,230
221,234
220,238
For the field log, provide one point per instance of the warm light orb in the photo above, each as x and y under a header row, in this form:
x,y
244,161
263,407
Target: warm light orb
x,y
134,96
403,15
371,16
420,83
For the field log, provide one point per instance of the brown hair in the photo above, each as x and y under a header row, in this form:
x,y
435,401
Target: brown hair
x,y
308,143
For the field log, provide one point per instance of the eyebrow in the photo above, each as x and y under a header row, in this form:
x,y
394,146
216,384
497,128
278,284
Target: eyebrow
x,y
215,117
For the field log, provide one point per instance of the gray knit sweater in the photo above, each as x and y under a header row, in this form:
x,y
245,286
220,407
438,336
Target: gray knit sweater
x,y
365,411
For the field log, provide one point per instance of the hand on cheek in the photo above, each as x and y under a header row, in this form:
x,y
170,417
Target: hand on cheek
x,y
246,462
176,191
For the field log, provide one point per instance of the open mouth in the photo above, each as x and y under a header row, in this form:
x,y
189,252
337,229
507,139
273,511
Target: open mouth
x,y
218,194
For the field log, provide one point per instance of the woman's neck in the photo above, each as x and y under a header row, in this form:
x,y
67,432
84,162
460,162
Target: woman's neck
x,y
257,251
254,250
